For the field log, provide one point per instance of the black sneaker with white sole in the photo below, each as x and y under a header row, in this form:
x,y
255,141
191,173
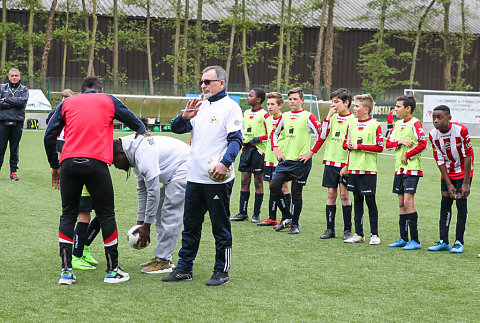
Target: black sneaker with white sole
x,y
294,229
218,278
255,218
239,217
283,224
178,274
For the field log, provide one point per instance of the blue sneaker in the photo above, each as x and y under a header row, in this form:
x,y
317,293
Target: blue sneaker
x,y
412,245
399,243
67,277
457,247
439,246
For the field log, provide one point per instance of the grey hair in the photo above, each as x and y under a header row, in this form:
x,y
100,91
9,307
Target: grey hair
x,y
14,70
221,73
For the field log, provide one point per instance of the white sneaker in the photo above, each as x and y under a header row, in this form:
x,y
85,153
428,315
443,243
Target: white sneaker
x,y
116,276
374,240
354,239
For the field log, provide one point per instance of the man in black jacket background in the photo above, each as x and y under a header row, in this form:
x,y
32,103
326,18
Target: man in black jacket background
x,y
13,100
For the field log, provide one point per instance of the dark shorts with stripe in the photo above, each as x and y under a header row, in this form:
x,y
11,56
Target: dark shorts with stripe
x,y
456,182
251,160
293,170
332,178
268,172
365,184
403,183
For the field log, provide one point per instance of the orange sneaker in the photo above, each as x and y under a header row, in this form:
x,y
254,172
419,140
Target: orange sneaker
x,y
268,222
13,176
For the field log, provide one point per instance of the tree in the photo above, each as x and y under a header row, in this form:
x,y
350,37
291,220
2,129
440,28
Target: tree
x,y
288,44
328,60
31,61
317,82
178,11
4,36
46,49
65,44
115,46
232,37
280,47
198,39
447,46
244,46
185,43
91,49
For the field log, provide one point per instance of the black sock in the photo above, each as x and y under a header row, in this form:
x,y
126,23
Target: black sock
x,y
462,215
445,217
347,217
403,224
258,203
244,196
358,211
288,200
80,238
372,213
413,225
272,208
66,254
282,205
330,214
296,210
92,231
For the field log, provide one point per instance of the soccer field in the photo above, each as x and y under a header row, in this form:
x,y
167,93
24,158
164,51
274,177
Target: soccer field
x,y
274,276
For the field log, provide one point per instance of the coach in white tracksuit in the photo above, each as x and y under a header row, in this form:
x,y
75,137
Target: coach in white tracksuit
x,y
155,160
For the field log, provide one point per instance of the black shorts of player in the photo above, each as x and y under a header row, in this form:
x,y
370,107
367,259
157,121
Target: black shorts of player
x,y
389,126
457,183
365,184
86,204
268,172
293,170
403,183
251,160
331,177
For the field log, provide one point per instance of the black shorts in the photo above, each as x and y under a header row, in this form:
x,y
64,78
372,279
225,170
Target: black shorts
x,y
403,183
389,126
293,170
331,177
86,204
365,184
251,160
268,172
456,182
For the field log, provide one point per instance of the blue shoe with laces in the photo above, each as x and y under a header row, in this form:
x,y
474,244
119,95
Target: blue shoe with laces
x,y
439,246
412,245
457,247
399,243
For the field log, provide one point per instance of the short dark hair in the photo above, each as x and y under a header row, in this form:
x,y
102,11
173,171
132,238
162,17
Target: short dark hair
x,y
296,90
260,93
91,82
443,108
343,94
117,146
408,101
392,108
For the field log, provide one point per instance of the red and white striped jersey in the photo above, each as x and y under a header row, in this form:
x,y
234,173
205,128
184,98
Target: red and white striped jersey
x,y
451,149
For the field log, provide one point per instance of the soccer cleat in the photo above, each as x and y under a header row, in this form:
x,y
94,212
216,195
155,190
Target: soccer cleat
x,y
374,240
158,267
412,245
347,234
457,247
67,277
283,224
148,263
439,246
116,276
255,218
399,243
354,239
14,177
239,217
178,275
218,278
268,222
294,229
87,255
80,263
329,233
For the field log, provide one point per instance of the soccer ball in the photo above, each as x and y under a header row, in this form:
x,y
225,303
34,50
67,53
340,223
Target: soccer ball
x,y
133,238
212,162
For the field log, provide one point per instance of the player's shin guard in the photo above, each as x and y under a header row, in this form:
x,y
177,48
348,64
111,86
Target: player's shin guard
x,y
413,224
272,208
288,200
258,203
296,210
92,231
80,238
462,216
244,196
403,224
330,211
445,217
358,210
372,213
347,217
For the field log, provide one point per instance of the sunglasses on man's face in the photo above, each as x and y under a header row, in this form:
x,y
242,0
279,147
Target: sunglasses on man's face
x,y
207,82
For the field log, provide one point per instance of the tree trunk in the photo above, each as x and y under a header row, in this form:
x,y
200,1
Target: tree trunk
x,y
198,39
460,62
317,73
149,52
244,48
417,42
232,37
4,35
288,58
115,47
91,50
328,60
65,46
280,47
447,47
85,18
176,46
381,30
31,83
185,44
48,42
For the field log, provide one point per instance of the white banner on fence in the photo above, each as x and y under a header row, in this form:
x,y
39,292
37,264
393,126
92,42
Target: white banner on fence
x,y
37,101
464,109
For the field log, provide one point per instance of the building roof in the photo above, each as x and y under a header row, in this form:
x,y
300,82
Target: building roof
x,y
346,14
